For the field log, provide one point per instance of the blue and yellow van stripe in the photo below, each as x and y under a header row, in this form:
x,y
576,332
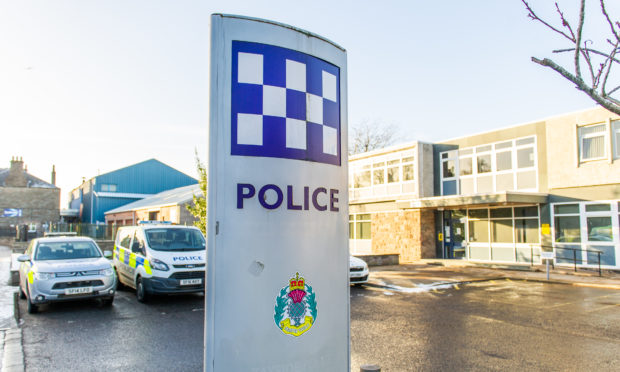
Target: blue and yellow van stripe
x,y
132,259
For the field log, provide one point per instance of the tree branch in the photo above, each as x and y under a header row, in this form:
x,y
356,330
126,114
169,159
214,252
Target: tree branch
x,y
594,51
611,24
610,59
578,39
534,17
609,104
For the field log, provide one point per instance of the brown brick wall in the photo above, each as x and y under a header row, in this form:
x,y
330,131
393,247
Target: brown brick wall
x,y
37,204
409,233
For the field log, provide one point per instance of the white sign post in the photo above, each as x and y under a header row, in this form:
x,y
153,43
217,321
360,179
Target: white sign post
x,y
277,295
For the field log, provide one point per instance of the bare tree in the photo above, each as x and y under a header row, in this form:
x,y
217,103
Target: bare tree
x,y
367,136
597,60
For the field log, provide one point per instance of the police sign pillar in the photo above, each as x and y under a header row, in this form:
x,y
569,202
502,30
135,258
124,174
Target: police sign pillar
x,y
277,293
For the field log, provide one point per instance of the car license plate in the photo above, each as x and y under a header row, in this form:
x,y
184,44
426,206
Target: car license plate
x,y
191,281
80,290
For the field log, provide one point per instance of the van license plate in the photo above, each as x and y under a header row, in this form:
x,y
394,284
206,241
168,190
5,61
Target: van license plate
x,y
81,290
191,281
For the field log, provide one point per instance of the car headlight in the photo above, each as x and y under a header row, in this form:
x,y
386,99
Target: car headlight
x,y
106,272
159,265
44,276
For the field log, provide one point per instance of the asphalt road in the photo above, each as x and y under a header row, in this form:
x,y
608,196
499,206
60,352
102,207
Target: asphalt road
x,y
492,326
401,324
164,335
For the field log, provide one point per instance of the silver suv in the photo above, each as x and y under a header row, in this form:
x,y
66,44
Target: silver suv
x,y
65,269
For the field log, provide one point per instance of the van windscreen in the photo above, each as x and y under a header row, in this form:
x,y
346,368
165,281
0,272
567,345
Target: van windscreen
x,y
170,239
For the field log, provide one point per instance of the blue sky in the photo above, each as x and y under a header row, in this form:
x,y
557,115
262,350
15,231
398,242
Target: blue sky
x,y
92,86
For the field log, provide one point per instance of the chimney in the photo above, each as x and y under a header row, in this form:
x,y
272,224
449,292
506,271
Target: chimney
x,y
53,175
16,176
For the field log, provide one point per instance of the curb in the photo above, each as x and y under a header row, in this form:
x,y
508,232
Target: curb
x,y
551,281
13,359
16,306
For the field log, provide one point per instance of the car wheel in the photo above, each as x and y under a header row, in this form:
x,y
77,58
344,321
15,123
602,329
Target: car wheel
x,y
107,302
141,292
22,295
31,308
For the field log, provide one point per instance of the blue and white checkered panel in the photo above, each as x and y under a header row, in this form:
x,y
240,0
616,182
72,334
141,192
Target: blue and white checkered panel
x,y
284,104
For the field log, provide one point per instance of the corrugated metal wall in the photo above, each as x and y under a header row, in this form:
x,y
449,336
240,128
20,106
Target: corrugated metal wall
x,y
148,177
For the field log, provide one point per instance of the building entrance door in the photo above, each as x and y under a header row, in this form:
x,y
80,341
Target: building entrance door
x,y
454,224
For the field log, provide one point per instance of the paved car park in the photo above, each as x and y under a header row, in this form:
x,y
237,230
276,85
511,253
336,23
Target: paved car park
x,y
408,317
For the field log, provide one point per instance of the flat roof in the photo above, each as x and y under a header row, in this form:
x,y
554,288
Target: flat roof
x,y
177,196
476,200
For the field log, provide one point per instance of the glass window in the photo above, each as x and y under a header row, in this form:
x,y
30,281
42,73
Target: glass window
x,y
466,152
484,163
483,148
567,229
449,187
125,238
598,207
503,145
615,130
479,213
478,231
362,179
408,160
566,208
392,174
526,211
599,229
501,231
108,187
378,177
527,230
448,169
592,142
362,226
392,162
175,239
503,160
525,141
408,172
378,165
465,168
501,212
525,157
351,230
66,250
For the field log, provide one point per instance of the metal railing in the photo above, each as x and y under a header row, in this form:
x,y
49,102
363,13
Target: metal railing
x,y
95,231
575,258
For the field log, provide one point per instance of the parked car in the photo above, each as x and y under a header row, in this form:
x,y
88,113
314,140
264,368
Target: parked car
x,y
65,269
160,259
358,271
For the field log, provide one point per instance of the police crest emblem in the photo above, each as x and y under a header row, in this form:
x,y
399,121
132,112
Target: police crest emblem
x,y
295,310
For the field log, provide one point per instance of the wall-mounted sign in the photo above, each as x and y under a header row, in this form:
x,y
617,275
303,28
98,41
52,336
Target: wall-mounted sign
x,y
11,212
277,294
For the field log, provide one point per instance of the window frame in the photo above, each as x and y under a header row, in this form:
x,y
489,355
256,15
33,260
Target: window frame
x,y
582,137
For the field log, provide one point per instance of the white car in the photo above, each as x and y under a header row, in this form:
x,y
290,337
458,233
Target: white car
x,y
65,269
358,271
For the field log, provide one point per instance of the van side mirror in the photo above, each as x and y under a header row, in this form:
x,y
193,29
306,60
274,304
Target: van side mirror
x,y
135,247
23,258
107,254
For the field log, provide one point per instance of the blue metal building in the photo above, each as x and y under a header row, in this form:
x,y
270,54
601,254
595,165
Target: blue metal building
x,y
126,185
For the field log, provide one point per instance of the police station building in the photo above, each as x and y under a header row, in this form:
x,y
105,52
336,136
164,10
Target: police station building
x,y
500,196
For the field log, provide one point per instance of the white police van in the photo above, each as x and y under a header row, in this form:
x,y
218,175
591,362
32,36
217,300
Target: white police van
x,y
160,259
